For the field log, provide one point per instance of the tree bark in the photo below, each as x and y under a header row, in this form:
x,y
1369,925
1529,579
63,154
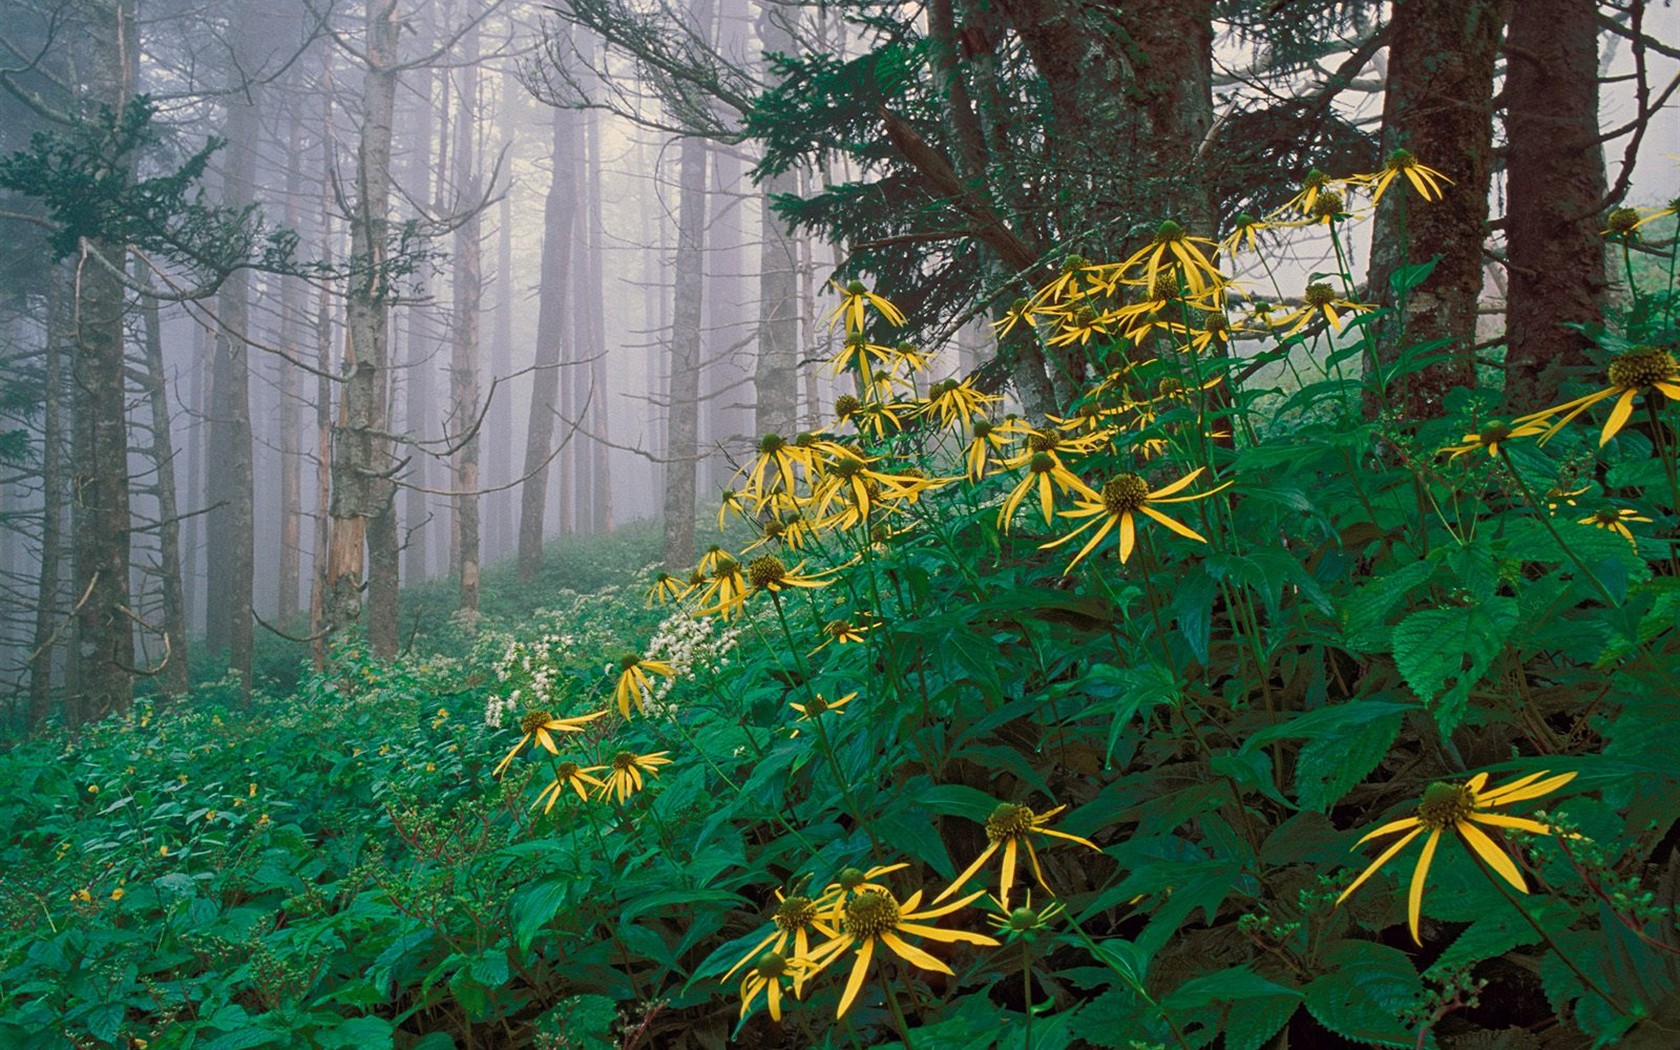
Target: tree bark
x,y
174,675
775,374
559,214
52,506
102,668
1439,106
230,520
362,490
463,361
1554,181
682,445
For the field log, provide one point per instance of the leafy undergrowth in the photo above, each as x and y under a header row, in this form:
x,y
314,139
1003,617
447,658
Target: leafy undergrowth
x,y
1206,717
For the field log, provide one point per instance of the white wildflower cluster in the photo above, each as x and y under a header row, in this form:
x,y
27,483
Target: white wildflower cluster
x,y
686,643
531,676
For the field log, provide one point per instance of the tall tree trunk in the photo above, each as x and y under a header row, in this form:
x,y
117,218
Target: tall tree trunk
x,y
1554,182
174,674
420,326
230,521
499,440
1439,106
102,672
320,560
463,360
559,215
52,506
291,337
361,490
682,445
593,308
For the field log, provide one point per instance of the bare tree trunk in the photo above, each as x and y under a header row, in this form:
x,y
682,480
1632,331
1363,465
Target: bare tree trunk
x,y
174,675
559,214
361,490
102,673
1439,106
682,444
500,437
1555,181
320,561
52,507
463,362
291,337
593,307
420,327
230,521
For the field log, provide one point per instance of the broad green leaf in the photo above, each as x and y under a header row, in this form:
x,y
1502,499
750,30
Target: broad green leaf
x,y
1363,993
357,1033
1332,762
1443,653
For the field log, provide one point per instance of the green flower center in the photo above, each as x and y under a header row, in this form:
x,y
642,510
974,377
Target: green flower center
x,y
725,568
1401,159
624,761
1218,324
1124,493
1643,366
1446,805
1327,204
770,444
941,388
1043,440
566,771
816,705
771,965
1623,220
1165,287
1069,265
1315,180
1041,463
855,288
1244,220
838,628
1494,433
629,661
1607,516
804,439
1168,232
795,913
982,429
534,720
766,571
1320,294
846,467
1022,920
850,878
870,914
1009,821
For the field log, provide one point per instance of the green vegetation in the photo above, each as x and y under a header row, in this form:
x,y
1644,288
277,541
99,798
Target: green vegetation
x,y
1004,733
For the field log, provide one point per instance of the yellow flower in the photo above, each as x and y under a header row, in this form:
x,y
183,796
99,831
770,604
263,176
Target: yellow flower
x,y
777,458
666,588
1320,298
1461,808
768,573
118,894
726,592
634,683
955,402
1121,497
858,352
1672,208
569,775
983,442
1245,230
1621,223
730,503
767,975
540,725
818,705
1306,198
1181,252
1009,828
842,632
627,769
1640,370
1045,473
1616,521
793,920
82,897
1425,180
848,882
854,299
874,917
1492,436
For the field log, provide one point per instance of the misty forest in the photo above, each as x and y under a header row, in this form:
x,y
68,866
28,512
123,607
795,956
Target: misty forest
x,y
941,525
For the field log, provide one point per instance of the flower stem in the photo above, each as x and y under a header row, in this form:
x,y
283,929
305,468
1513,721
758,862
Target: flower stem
x,y
899,1022
1546,520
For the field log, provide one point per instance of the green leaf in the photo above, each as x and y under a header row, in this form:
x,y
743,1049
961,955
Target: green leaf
x,y
535,905
952,800
1252,1023
490,969
1366,988
1365,612
1333,762
1442,653
1406,278
1239,982
357,1033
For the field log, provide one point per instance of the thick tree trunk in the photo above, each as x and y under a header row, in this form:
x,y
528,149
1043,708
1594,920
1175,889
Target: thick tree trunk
x,y
593,309
174,674
559,215
362,491
230,521
1554,180
420,327
52,506
1439,106
463,360
102,671
499,439
291,338
682,445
